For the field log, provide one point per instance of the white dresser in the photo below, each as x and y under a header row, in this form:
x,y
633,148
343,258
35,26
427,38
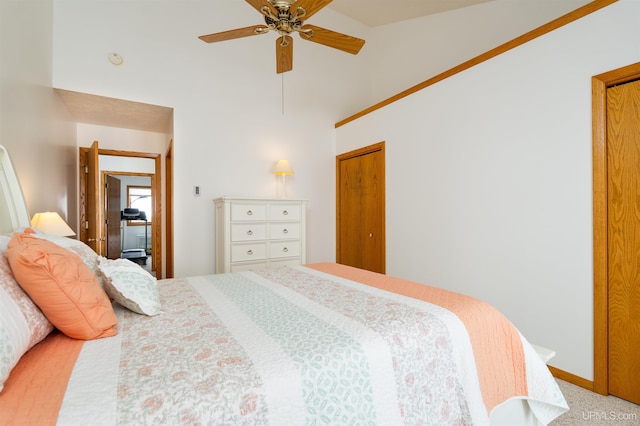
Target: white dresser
x,y
258,233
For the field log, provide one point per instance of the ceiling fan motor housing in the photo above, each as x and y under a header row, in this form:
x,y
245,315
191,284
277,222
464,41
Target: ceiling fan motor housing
x,y
284,4
283,26
286,22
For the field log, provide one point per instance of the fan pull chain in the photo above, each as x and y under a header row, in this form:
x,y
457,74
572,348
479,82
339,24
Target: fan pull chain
x,y
282,95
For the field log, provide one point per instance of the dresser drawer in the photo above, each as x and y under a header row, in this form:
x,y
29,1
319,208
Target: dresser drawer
x,y
284,249
245,252
249,266
279,263
284,230
247,211
284,211
248,231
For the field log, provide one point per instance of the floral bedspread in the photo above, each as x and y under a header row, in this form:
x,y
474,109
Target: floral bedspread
x,y
292,346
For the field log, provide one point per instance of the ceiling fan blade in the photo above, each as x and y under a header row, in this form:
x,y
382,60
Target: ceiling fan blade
x,y
259,4
343,42
231,34
310,6
284,54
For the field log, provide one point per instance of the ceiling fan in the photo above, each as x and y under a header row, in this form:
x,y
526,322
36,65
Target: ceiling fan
x,y
286,17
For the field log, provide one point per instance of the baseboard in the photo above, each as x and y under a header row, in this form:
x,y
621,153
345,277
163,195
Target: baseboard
x,y
571,378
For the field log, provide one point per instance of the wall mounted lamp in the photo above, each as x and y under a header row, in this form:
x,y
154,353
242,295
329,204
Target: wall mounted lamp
x,y
283,168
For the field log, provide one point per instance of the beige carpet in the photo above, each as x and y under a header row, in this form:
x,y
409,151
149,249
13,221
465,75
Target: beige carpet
x,y
588,408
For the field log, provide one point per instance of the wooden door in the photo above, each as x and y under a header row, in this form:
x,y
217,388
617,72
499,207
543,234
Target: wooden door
x,y
93,220
169,203
360,221
623,205
113,223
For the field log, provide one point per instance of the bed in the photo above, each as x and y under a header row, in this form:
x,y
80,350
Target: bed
x,y
306,345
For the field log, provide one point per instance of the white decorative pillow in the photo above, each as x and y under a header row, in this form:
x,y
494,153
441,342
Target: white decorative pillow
x,y
22,324
4,240
130,285
88,256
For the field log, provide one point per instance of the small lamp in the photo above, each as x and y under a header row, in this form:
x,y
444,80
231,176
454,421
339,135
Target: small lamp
x,y
283,168
51,223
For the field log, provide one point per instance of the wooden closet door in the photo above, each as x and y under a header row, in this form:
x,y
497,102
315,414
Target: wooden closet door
x,y
360,221
623,204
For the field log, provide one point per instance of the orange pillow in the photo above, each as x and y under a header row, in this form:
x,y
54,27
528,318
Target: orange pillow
x,y
62,286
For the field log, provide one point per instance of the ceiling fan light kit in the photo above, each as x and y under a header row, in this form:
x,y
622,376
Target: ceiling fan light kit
x,y
286,17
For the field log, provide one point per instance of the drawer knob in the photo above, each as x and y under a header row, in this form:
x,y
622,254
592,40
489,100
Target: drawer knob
x,y
249,232
285,231
284,212
249,252
249,213
285,249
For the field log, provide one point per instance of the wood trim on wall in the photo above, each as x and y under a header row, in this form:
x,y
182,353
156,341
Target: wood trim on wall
x,y
571,378
168,252
156,227
531,35
82,193
599,85
599,178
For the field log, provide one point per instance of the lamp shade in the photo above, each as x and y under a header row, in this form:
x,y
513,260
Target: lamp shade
x,y
51,223
283,168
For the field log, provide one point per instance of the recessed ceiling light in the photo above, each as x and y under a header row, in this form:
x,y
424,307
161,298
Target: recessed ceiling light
x,y
115,58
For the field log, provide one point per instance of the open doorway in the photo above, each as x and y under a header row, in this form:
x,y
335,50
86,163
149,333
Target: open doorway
x,y
129,214
100,224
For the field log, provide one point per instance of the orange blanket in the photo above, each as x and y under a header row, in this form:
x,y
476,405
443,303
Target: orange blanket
x,y
34,391
499,380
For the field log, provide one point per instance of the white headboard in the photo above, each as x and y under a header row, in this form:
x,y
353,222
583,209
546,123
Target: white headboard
x,y
13,209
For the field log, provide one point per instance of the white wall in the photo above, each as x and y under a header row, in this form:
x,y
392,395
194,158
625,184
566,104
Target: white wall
x,y
112,163
120,139
35,127
489,179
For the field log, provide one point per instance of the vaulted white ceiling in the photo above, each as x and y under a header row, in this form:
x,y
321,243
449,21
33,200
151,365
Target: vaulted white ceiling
x,y
374,13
